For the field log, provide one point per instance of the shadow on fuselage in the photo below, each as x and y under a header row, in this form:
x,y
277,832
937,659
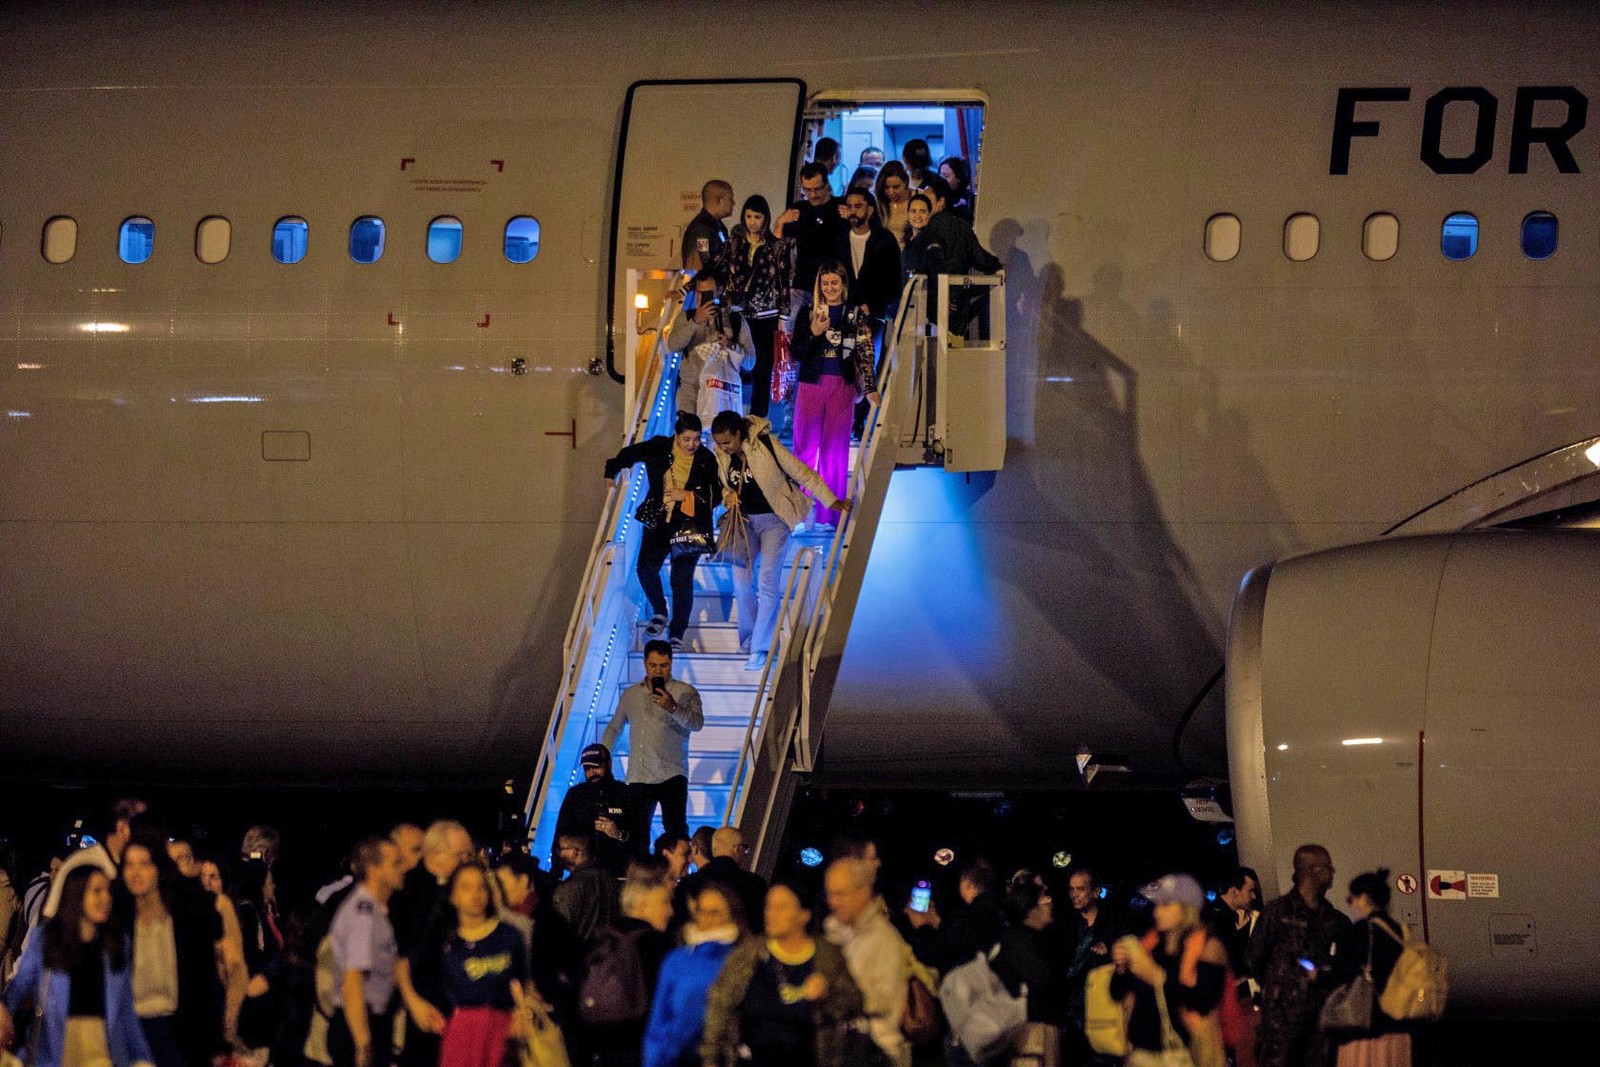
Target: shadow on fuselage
x,y
1053,605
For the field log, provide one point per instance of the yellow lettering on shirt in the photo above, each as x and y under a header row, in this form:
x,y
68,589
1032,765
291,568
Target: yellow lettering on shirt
x,y
478,967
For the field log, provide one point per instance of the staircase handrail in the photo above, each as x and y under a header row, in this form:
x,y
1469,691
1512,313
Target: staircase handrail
x,y
598,570
790,608
870,442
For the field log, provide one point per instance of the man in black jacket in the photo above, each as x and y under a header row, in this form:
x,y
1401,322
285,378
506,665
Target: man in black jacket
x,y
602,808
729,854
871,258
816,224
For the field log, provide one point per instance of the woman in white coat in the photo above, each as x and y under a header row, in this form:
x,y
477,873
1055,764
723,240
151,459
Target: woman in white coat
x,y
765,481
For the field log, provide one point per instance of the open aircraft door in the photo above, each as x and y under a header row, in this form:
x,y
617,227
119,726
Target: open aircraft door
x,y
677,135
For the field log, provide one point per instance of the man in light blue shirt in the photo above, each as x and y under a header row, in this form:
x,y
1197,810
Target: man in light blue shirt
x,y
660,714
365,954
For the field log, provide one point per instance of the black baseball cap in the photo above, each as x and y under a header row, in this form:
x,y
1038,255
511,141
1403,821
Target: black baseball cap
x,y
596,755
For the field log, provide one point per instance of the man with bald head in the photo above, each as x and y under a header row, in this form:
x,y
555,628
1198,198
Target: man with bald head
x,y
858,922
729,857
422,918
1292,944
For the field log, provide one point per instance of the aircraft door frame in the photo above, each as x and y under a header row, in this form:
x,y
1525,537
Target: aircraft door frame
x,y
650,201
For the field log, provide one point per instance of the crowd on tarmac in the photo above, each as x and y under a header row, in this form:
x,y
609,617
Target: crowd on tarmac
x,y
428,949
781,337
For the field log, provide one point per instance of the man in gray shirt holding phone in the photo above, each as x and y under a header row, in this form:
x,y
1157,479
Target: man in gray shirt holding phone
x,y
660,713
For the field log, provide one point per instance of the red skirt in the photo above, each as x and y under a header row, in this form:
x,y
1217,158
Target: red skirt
x,y
475,1037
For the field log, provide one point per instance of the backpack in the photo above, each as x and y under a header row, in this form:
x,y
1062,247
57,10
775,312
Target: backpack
x,y
1103,1022
1419,985
613,987
985,1018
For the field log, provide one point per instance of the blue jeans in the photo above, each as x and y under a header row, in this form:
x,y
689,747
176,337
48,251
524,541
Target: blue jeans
x,y
757,590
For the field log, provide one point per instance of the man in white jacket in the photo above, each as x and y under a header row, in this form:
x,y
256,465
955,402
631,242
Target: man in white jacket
x,y
767,483
873,950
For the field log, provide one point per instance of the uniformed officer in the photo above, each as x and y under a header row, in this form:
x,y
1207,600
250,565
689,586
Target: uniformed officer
x,y
365,952
705,235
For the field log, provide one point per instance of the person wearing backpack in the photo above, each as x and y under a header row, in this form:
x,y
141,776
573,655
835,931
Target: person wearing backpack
x,y
1031,966
767,484
1376,937
621,970
779,997
1174,977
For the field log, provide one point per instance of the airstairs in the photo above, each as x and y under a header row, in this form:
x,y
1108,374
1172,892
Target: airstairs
x,y
763,729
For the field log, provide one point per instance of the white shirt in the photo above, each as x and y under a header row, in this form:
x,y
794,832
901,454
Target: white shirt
x,y
858,250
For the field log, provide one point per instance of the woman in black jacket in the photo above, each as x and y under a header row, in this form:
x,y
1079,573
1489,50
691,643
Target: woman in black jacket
x,y
833,346
177,934
758,267
683,490
1374,933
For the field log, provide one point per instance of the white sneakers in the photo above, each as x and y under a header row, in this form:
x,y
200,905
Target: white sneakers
x,y
756,661
655,627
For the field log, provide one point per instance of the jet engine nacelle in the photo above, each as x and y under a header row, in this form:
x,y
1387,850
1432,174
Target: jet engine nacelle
x,y
1430,705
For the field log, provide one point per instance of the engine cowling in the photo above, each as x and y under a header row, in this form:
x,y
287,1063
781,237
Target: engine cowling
x,y
1429,704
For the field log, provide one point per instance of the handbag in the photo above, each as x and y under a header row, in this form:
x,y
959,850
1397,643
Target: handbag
x,y
650,513
1348,1009
785,371
1174,1053
733,539
535,1037
690,541
921,1022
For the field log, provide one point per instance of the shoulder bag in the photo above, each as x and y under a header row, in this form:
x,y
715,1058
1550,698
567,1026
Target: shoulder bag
x,y
1348,1009
1174,1053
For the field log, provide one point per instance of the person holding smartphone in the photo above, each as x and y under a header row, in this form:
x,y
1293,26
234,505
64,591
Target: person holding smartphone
x,y
660,713
833,347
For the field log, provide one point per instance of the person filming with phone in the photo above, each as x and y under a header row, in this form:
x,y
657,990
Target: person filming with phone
x,y
660,714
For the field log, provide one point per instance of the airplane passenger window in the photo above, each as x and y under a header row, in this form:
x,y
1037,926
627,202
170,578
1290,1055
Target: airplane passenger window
x,y
1301,235
1458,239
1222,237
290,236
1540,231
366,239
1380,237
522,239
60,241
444,239
212,239
137,239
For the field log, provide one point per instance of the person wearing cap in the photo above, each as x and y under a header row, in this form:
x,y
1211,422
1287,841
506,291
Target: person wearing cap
x,y
660,713
1184,965
602,809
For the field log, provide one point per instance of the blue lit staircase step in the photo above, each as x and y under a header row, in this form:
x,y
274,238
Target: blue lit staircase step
x,y
701,637
702,669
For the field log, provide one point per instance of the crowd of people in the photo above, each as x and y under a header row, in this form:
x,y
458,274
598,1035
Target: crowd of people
x,y
428,949
816,284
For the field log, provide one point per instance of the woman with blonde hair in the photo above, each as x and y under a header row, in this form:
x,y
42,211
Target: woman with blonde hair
x,y
1174,977
833,347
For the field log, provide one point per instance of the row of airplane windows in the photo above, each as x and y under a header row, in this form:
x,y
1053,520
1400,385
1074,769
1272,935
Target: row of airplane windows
x,y
1380,236
291,237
